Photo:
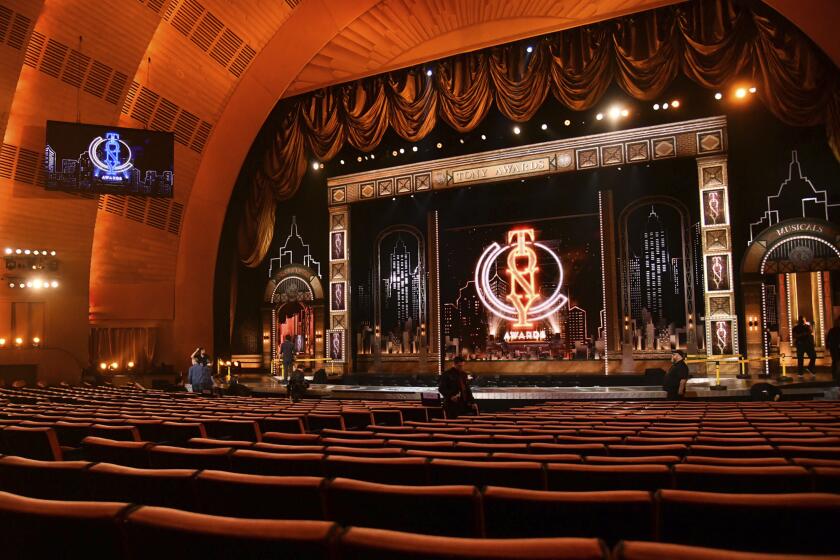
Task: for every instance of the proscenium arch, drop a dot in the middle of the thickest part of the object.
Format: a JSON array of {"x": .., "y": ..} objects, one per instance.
[
  {"x": 304, "y": 273},
  {"x": 266, "y": 80}
]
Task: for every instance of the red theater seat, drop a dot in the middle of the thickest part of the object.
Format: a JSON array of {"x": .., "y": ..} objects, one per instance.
[
  {"x": 71, "y": 434},
  {"x": 364, "y": 451},
  {"x": 291, "y": 439},
  {"x": 438, "y": 510},
  {"x": 241, "y": 430},
  {"x": 827, "y": 479},
  {"x": 204, "y": 443},
  {"x": 317, "y": 422},
  {"x": 49, "y": 480},
  {"x": 813, "y": 452},
  {"x": 737, "y": 461},
  {"x": 153, "y": 487},
  {"x": 181, "y": 432},
  {"x": 34, "y": 443},
  {"x": 258, "y": 496},
  {"x": 641, "y": 450},
  {"x": 152, "y": 532},
  {"x": 32, "y": 528},
  {"x": 733, "y": 450},
  {"x": 612, "y": 516},
  {"x": 284, "y": 424},
  {"x": 570, "y": 478},
  {"x": 128, "y": 453},
  {"x": 630, "y": 550},
  {"x": 781, "y": 523},
  {"x": 574, "y": 448},
  {"x": 743, "y": 480},
  {"x": 276, "y": 464},
  {"x": 632, "y": 460},
  {"x": 378, "y": 544},
  {"x": 401, "y": 470},
  {"x": 514, "y": 474},
  {"x": 168, "y": 457},
  {"x": 118, "y": 433}
]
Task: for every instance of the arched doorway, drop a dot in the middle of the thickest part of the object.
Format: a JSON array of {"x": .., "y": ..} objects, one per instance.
[
  {"x": 789, "y": 271},
  {"x": 293, "y": 306}
]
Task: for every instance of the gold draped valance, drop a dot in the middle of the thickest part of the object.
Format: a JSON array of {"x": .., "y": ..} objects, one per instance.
[{"x": 712, "y": 42}]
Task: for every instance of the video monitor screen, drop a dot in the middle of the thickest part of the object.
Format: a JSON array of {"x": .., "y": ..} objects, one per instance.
[{"x": 109, "y": 159}]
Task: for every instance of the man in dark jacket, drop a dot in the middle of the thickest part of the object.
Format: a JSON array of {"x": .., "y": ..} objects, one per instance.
[
  {"x": 803, "y": 340},
  {"x": 200, "y": 377},
  {"x": 454, "y": 387},
  {"x": 676, "y": 375}
]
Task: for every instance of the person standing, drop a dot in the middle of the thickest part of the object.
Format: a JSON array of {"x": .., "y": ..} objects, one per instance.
[
  {"x": 677, "y": 376},
  {"x": 287, "y": 351},
  {"x": 832, "y": 344},
  {"x": 803, "y": 339},
  {"x": 200, "y": 377},
  {"x": 454, "y": 387}
]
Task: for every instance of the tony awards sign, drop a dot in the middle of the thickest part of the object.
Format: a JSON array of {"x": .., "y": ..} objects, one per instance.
[{"x": 523, "y": 305}]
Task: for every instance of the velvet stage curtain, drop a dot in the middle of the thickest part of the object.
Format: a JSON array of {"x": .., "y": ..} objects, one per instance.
[{"x": 713, "y": 42}]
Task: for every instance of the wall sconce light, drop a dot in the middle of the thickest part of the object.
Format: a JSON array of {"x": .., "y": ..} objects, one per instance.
[
  {"x": 18, "y": 342},
  {"x": 103, "y": 366},
  {"x": 130, "y": 365},
  {"x": 114, "y": 366},
  {"x": 2, "y": 342},
  {"x": 752, "y": 323},
  {"x": 36, "y": 342}
]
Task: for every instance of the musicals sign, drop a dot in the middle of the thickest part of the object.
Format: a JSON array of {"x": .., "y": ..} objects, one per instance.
[{"x": 523, "y": 305}]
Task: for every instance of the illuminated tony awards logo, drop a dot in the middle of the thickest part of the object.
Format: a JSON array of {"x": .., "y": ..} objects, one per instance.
[
  {"x": 111, "y": 157},
  {"x": 523, "y": 305}
]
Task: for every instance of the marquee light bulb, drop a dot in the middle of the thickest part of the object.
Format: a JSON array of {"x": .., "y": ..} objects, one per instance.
[
  {"x": 26, "y": 252},
  {"x": 414, "y": 148},
  {"x": 54, "y": 283},
  {"x": 429, "y": 73},
  {"x": 484, "y": 137},
  {"x": 516, "y": 130},
  {"x": 625, "y": 113},
  {"x": 614, "y": 112},
  {"x": 2, "y": 342},
  {"x": 718, "y": 96},
  {"x": 529, "y": 49},
  {"x": 600, "y": 116},
  {"x": 567, "y": 122},
  {"x": 52, "y": 253},
  {"x": 544, "y": 126},
  {"x": 740, "y": 93},
  {"x": 315, "y": 165},
  {"x": 402, "y": 150},
  {"x": 103, "y": 365},
  {"x": 18, "y": 341},
  {"x": 656, "y": 106},
  {"x": 8, "y": 251},
  {"x": 18, "y": 251},
  {"x": 752, "y": 89}
]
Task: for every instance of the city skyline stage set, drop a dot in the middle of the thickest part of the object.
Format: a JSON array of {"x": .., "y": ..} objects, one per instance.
[{"x": 571, "y": 275}]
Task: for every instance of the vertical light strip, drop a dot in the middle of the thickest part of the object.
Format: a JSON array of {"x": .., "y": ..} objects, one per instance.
[
  {"x": 765, "y": 350},
  {"x": 603, "y": 281},
  {"x": 789, "y": 308},
  {"x": 821, "y": 308},
  {"x": 273, "y": 339},
  {"x": 437, "y": 295}
]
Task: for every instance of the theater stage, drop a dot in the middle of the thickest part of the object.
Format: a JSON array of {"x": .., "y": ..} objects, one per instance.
[{"x": 698, "y": 388}]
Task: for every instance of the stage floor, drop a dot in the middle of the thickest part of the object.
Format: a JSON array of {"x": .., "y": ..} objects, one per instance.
[{"x": 698, "y": 388}]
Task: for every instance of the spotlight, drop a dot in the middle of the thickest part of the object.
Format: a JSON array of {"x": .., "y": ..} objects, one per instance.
[
  {"x": 18, "y": 342},
  {"x": 664, "y": 105},
  {"x": 484, "y": 137},
  {"x": 414, "y": 148},
  {"x": 54, "y": 283},
  {"x": 625, "y": 113},
  {"x": 567, "y": 122},
  {"x": 614, "y": 112},
  {"x": 656, "y": 106},
  {"x": 402, "y": 150},
  {"x": 429, "y": 73},
  {"x": 36, "y": 341},
  {"x": 752, "y": 89},
  {"x": 516, "y": 130},
  {"x": 530, "y": 49},
  {"x": 103, "y": 365},
  {"x": 740, "y": 92},
  {"x": 315, "y": 165},
  {"x": 439, "y": 145},
  {"x": 394, "y": 153},
  {"x": 544, "y": 126},
  {"x": 718, "y": 96},
  {"x": 675, "y": 103},
  {"x": 600, "y": 116},
  {"x": 8, "y": 251},
  {"x": 341, "y": 161}
]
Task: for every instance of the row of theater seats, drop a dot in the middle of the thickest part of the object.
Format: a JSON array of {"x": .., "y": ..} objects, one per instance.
[{"x": 757, "y": 523}]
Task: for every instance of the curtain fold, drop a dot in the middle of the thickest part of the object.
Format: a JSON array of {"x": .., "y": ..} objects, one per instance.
[
  {"x": 712, "y": 42},
  {"x": 123, "y": 345}
]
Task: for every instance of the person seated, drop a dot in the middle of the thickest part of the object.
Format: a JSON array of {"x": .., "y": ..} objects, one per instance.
[
  {"x": 454, "y": 387},
  {"x": 297, "y": 385}
]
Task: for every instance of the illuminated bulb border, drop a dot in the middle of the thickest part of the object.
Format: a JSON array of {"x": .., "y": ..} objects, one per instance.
[
  {"x": 765, "y": 349},
  {"x": 603, "y": 279},
  {"x": 437, "y": 289}
]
